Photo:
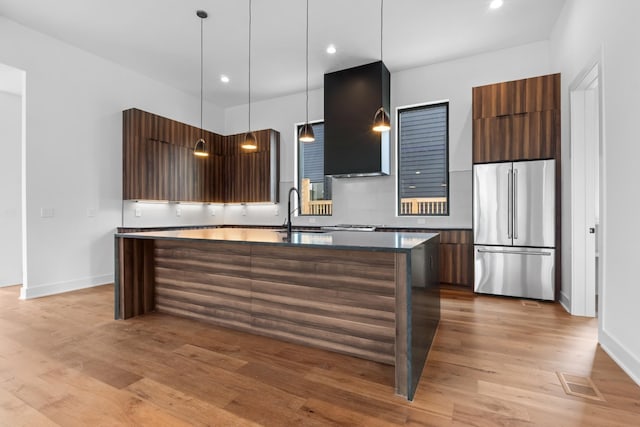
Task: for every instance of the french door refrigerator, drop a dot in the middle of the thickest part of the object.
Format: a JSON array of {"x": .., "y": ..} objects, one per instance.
[{"x": 514, "y": 228}]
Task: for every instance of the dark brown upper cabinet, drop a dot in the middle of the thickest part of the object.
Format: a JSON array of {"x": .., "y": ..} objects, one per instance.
[
  {"x": 158, "y": 163},
  {"x": 517, "y": 120},
  {"x": 254, "y": 172},
  {"x": 516, "y": 97}
]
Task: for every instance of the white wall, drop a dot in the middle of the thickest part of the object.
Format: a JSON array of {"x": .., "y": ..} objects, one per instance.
[
  {"x": 371, "y": 200},
  {"x": 589, "y": 29},
  {"x": 148, "y": 214},
  {"x": 74, "y": 103},
  {"x": 10, "y": 190}
]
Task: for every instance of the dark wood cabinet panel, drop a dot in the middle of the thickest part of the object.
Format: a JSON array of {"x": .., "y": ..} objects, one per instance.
[
  {"x": 515, "y": 97},
  {"x": 256, "y": 173},
  {"x": 158, "y": 163},
  {"x": 526, "y": 136},
  {"x": 540, "y": 94},
  {"x": 493, "y": 100},
  {"x": 156, "y": 182}
]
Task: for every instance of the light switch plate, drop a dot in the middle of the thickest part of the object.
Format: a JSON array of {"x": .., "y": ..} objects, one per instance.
[
  {"x": 178, "y": 211},
  {"x": 243, "y": 210},
  {"x": 212, "y": 210},
  {"x": 47, "y": 213},
  {"x": 138, "y": 212},
  {"x": 276, "y": 210}
]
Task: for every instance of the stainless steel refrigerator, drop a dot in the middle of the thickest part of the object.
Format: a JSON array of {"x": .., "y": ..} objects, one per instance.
[{"x": 514, "y": 228}]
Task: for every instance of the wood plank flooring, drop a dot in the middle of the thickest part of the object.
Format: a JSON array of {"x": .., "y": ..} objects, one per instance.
[{"x": 495, "y": 362}]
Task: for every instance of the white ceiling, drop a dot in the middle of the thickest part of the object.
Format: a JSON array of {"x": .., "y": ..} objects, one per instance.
[{"x": 161, "y": 38}]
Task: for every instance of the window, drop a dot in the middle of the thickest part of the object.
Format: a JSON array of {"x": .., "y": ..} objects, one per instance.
[
  {"x": 314, "y": 186},
  {"x": 423, "y": 160}
]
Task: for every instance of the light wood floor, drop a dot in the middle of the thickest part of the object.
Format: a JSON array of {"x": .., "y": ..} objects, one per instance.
[{"x": 64, "y": 361}]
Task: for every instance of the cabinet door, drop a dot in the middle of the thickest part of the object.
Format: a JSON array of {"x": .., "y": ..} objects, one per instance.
[
  {"x": 516, "y": 97},
  {"x": 539, "y": 94},
  {"x": 189, "y": 175},
  {"x": 493, "y": 100},
  {"x": 532, "y": 135},
  {"x": 156, "y": 174},
  {"x": 524, "y": 136},
  {"x": 491, "y": 139},
  {"x": 215, "y": 177}
]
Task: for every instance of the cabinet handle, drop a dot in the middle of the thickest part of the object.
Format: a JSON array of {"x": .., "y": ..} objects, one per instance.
[{"x": 487, "y": 251}]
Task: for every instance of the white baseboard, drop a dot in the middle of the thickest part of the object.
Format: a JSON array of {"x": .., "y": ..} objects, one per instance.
[
  {"x": 60, "y": 287},
  {"x": 621, "y": 355},
  {"x": 6, "y": 285},
  {"x": 565, "y": 302}
]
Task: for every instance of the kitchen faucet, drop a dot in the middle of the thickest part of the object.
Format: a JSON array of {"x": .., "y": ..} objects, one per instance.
[{"x": 289, "y": 211}]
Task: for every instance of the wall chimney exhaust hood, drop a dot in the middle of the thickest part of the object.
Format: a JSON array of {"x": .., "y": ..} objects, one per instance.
[{"x": 351, "y": 98}]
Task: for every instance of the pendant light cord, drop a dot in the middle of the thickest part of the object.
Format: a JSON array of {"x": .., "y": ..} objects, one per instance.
[
  {"x": 381, "y": 26},
  {"x": 249, "y": 95},
  {"x": 201, "y": 72},
  {"x": 307, "y": 65}
]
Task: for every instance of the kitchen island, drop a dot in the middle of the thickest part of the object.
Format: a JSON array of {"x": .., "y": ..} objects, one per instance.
[{"x": 373, "y": 295}]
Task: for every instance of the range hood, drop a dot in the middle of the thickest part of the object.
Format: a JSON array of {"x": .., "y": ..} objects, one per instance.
[{"x": 351, "y": 98}]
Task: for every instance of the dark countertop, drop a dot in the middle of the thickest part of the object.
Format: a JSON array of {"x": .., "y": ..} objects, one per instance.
[{"x": 363, "y": 240}]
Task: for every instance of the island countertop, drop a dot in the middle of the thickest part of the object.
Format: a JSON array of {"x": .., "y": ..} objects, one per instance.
[{"x": 363, "y": 240}]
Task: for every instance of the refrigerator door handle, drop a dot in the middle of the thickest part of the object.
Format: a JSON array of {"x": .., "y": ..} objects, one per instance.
[
  {"x": 497, "y": 251},
  {"x": 514, "y": 203},
  {"x": 509, "y": 204}
]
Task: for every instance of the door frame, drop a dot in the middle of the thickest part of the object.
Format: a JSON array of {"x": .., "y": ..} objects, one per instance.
[{"x": 585, "y": 105}]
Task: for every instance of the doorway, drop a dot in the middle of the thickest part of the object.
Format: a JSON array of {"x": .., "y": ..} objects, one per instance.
[
  {"x": 12, "y": 244},
  {"x": 586, "y": 191}
]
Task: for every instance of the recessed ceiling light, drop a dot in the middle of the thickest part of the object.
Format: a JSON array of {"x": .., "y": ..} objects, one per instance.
[
  {"x": 495, "y": 4},
  {"x": 331, "y": 49},
  {"x": 224, "y": 79}
]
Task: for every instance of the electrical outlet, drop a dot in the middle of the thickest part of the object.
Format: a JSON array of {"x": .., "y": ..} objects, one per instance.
[
  {"x": 212, "y": 210},
  {"x": 312, "y": 220},
  {"x": 178, "y": 211},
  {"x": 421, "y": 221},
  {"x": 243, "y": 210},
  {"x": 47, "y": 213},
  {"x": 276, "y": 210},
  {"x": 138, "y": 212}
]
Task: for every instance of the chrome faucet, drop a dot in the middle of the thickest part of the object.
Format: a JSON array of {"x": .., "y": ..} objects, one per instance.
[{"x": 289, "y": 211}]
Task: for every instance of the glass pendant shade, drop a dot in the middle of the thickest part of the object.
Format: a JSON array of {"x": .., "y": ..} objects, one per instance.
[
  {"x": 250, "y": 142},
  {"x": 306, "y": 133},
  {"x": 381, "y": 122},
  {"x": 200, "y": 148}
]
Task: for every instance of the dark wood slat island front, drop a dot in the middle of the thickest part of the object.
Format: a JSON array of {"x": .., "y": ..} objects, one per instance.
[{"x": 367, "y": 294}]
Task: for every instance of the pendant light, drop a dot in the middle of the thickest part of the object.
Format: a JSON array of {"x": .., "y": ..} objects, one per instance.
[
  {"x": 250, "y": 142},
  {"x": 381, "y": 122},
  {"x": 306, "y": 131},
  {"x": 200, "y": 148}
]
